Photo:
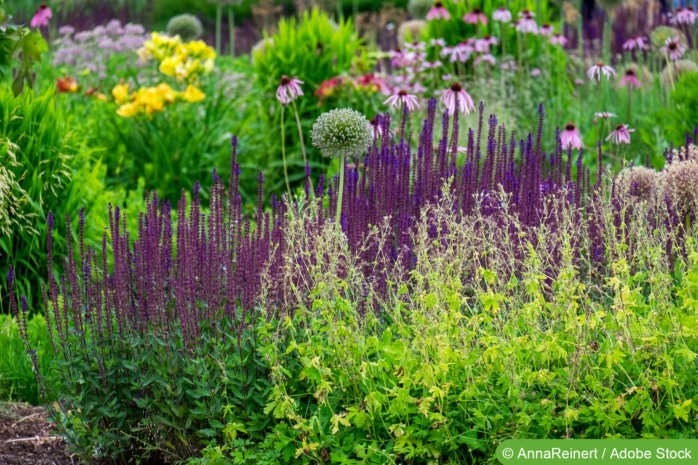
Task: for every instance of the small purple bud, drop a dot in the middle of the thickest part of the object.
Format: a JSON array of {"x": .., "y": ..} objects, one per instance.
[
  {"x": 10, "y": 276},
  {"x": 234, "y": 141},
  {"x": 197, "y": 188},
  {"x": 23, "y": 304},
  {"x": 215, "y": 176},
  {"x": 49, "y": 220}
]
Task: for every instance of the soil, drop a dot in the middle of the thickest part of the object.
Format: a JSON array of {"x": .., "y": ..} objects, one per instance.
[{"x": 26, "y": 437}]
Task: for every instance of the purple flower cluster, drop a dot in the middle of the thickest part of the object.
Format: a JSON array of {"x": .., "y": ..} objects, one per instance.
[
  {"x": 90, "y": 50},
  {"x": 211, "y": 265}
]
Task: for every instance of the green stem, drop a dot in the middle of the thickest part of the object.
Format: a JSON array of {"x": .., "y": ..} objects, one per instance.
[
  {"x": 231, "y": 30},
  {"x": 670, "y": 65},
  {"x": 300, "y": 134},
  {"x": 219, "y": 20},
  {"x": 630, "y": 102},
  {"x": 338, "y": 216},
  {"x": 283, "y": 152}
]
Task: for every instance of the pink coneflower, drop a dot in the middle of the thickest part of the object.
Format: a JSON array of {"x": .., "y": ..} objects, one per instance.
[
  {"x": 570, "y": 137},
  {"x": 447, "y": 77},
  {"x": 431, "y": 65},
  {"x": 546, "y": 30},
  {"x": 508, "y": 66},
  {"x": 635, "y": 42},
  {"x": 620, "y": 135},
  {"x": 41, "y": 17},
  {"x": 684, "y": 16},
  {"x": 488, "y": 58},
  {"x": 579, "y": 82},
  {"x": 595, "y": 72},
  {"x": 402, "y": 98},
  {"x": 416, "y": 47},
  {"x": 475, "y": 16},
  {"x": 398, "y": 58},
  {"x": 673, "y": 48},
  {"x": 483, "y": 45},
  {"x": 456, "y": 94},
  {"x": 558, "y": 39},
  {"x": 630, "y": 79},
  {"x": 439, "y": 42},
  {"x": 438, "y": 12},
  {"x": 605, "y": 115},
  {"x": 535, "y": 72},
  {"x": 502, "y": 15},
  {"x": 288, "y": 90},
  {"x": 527, "y": 24}
]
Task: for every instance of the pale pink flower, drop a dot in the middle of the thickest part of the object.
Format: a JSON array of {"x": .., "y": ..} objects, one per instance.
[
  {"x": 506, "y": 66},
  {"x": 502, "y": 15},
  {"x": 41, "y": 17},
  {"x": 635, "y": 42},
  {"x": 399, "y": 58},
  {"x": 487, "y": 58},
  {"x": 402, "y": 98},
  {"x": 483, "y": 45},
  {"x": 673, "y": 48},
  {"x": 289, "y": 90},
  {"x": 535, "y": 72},
  {"x": 620, "y": 135},
  {"x": 558, "y": 39},
  {"x": 630, "y": 79},
  {"x": 684, "y": 16},
  {"x": 605, "y": 115},
  {"x": 438, "y": 12},
  {"x": 439, "y": 42},
  {"x": 595, "y": 72},
  {"x": 546, "y": 30},
  {"x": 431, "y": 65},
  {"x": 447, "y": 77},
  {"x": 579, "y": 82},
  {"x": 475, "y": 16},
  {"x": 416, "y": 47},
  {"x": 457, "y": 95},
  {"x": 527, "y": 24},
  {"x": 570, "y": 137}
]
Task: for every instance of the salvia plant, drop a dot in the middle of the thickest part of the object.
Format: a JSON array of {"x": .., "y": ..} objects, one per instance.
[{"x": 173, "y": 338}]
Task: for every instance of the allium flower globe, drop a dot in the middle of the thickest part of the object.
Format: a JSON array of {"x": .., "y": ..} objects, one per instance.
[{"x": 342, "y": 132}]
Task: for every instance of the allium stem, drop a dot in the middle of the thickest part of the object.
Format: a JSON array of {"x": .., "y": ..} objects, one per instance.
[
  {"x": 231, "y": 30},
  {"x": 630, "y": 102},
  {"x": 283, "y": 152},
  {"x": 340, "y": 192},
  {"x": 300, "y": 134},
  {"x": 670, "y": 69},
  {"x": 219, "y": 21}
]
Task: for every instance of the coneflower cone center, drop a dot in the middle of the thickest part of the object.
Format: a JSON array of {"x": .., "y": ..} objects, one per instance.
[
  {"x": 569, "y": 127},
  {"x": 285, "y": 80},
  {"x": 456, "y": 87}
]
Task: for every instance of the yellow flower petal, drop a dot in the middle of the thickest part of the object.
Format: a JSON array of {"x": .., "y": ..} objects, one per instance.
[{"x": 192, "y": 94}]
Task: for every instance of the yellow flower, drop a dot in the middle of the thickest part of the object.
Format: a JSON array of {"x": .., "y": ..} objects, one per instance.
[
  {"x": 208, "y": 66},
  {"x": 166, "y": 92},
  {"x": 192, "y": 94},
  {"x": 102, "y": 97},
  {"x": 150, "y": 98},
  {"x": 169, "y": 65},
  {"x": 120, "y": 93},
  {"x": 199, "y": 49},
  {"x": 128, "y": 110}
]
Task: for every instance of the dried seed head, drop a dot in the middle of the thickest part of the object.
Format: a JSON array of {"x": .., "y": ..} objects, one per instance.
[
  {"x": 638, "y": 181},
  {"x": 679, "y": 184}
]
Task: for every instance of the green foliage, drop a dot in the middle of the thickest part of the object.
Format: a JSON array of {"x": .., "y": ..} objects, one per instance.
[
  {"x": 50, "y": 168},
  {"x": 17, "y": 380},
  {"x": 313, "y": 49},
  {"x": 682, "y": 116},
  {"x": 153, "y": 397},
  {"x": 21, "y": 44}
]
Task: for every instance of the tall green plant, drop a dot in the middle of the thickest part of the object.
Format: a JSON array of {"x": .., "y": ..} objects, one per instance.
[
  {"x": 48, "y": 168},
  {"x": 314, "y": 48}
]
